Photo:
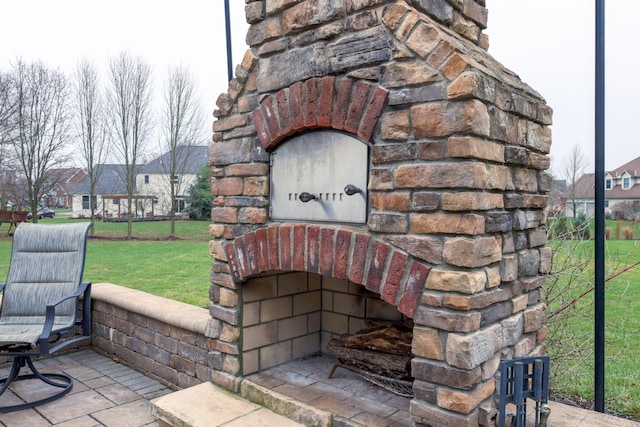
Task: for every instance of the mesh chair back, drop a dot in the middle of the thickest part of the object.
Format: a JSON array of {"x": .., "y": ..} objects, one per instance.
[{"x": 47, "y": 262}]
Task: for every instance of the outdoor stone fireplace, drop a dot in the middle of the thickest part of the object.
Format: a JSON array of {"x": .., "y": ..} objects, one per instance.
[{"x": 445, "y": 228}]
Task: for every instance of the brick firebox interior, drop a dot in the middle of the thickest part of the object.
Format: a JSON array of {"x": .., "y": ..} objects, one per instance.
[{"x": 457, "y": 159}]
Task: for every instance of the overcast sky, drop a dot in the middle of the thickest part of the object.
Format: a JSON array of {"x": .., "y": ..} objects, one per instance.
[{"x": 549, "y": 43}]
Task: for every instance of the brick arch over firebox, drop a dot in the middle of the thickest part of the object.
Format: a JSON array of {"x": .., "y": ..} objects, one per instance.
[
  {"x": 329, "y": 102},
  {"x": 334, "y": 252}
]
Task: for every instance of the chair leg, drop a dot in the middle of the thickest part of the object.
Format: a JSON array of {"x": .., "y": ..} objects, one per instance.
[
  {"x": 18, "y": 363},
  {"x": 65, "y": 382}
]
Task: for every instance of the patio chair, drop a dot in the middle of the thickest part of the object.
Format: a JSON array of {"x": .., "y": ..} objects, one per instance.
[{"x": 40, "y": 312}]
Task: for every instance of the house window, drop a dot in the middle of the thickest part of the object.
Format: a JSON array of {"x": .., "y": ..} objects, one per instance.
[
  {"x": 85, "y": 202},
  {"x": 606, "y": 203},
  {"x": 180, "y": 205},
  {"x": 625, "y": 183},
  {"x": 146, "y": 179},
  {"x": 176, "y": 178},
  {"x": 116, "y": 201},
  {"x": 607, "y": 184}
]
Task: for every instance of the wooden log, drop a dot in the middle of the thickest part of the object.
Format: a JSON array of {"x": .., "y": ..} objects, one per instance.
[
  {"x": 387, "y": 338},
  {"x": 381, "y": 361}
]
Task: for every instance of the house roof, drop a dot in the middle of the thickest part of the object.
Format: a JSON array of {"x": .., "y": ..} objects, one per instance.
[
  {"x": 559, "y": 185},
  {"x": 65, "y": 175},
  {"x": 111, "y": 177},
  {"x": 585, "y": 187},
  {"x": 189, "y": 160},
  {"x": 66, "y": 179},
  {"x": 632, "y": 167},
  {"x": 111, "y": 180}
]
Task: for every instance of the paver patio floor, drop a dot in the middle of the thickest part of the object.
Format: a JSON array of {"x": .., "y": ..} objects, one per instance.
[{"x": 105, "y": 393}]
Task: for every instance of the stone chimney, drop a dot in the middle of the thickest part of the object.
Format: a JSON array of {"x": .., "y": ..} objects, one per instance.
[{"x": 456, "y": 159}]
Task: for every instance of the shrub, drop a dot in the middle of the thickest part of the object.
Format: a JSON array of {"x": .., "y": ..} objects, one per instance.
[
  {"x": 607, "y": 232},
  {"x": 581, "y": 228},
  {"x": 199, "y": 196},
  {"x": 559, "y": 229},
  {"x": 628, "y": 233}
]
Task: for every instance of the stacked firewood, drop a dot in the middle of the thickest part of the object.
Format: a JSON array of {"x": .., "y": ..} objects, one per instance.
[{"x": 382, "y": 346}]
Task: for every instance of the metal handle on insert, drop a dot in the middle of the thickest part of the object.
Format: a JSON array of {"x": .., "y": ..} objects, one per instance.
[
  {"x": 351, "y": 190},
  {"x": 305, "y": 197}
]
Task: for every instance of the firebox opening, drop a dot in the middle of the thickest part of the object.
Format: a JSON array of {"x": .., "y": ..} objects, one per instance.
[
  {"x": 290, "y": 321},
  {"x": 293, "y": 315}
]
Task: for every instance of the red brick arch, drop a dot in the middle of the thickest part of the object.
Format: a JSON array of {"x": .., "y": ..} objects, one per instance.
[
  {"x": 336, "y": 252},
  {"x": 328, "y": 102}
]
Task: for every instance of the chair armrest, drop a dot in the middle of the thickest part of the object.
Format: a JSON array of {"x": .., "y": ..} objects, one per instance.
[{"x": 51, "y": 310}]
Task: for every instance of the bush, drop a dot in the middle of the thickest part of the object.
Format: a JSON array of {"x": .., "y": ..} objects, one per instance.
[
  {"x": 559, "y": 229},
  {"x": 607, "y": 232},
  {"x": 581, "y": 228},
  {"x": 564, "y": 228},
  {"x": 628, "y": 233},
  {"x": 199, "y": 196}
]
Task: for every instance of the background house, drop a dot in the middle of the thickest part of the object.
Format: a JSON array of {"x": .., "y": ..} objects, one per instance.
[
  {"x": 152, "y": 194},
  {"x": 622, "y": 192},
  {"x": 109, "y": 188},
  {"x": 59, "y": 186},
  {"x": 154, "y": 178}
]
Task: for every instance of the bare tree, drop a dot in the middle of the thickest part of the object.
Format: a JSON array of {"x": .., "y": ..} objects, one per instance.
[
  {"x": 182, "y": 128},
  {"x": 129, "y": 105},
  {"x": 39, "y": 130},
  {"x": 90, "y": 125},
  {"x": 573, "y": 168},
  {"x": 7, "y": 104}
]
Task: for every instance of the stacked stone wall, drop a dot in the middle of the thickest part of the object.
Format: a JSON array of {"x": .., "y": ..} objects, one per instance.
[
  {"x": 162, "y": 338},
  {"x": 458, "y": 181}
]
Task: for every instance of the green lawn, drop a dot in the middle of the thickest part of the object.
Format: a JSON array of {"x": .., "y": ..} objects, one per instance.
[
  {"x": 572, "y": 350},
  {"x": 178, "y": 268}
]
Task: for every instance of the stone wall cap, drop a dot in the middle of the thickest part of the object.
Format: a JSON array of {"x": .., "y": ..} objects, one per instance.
[{"x": 173, "y": 313}]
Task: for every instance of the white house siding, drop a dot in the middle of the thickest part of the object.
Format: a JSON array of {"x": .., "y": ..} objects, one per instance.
[{"x": 159, "y": 187}]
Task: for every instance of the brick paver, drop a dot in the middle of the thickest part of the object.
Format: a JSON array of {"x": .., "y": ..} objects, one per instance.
[{"x": 105, "y": 393}]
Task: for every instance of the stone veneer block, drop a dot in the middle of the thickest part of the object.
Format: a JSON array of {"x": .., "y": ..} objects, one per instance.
[{"x": 426, "y": 343}]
